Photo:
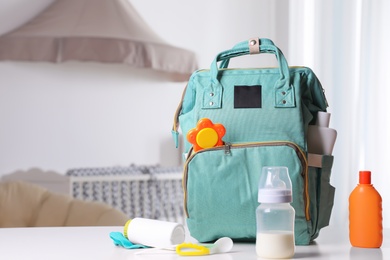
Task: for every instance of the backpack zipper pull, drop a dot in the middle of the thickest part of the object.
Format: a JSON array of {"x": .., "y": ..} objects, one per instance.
[{"x": 227, "y": 148}]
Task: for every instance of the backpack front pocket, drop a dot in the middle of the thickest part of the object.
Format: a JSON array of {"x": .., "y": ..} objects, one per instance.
[{"x": 222, "y": 200}]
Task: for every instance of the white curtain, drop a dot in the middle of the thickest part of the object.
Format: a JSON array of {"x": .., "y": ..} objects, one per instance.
[{"x": 346, "y": 45}]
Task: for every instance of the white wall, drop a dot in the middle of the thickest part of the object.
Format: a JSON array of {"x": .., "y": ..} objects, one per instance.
[{"x": 61, "y": 116}]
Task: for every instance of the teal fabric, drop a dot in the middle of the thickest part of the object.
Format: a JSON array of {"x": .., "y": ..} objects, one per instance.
[
  {"x": 120, "y": 240},
  {"x": 210, "y": 94},
  {"x": 321, "y": 195},
  {"x": 221, "y": 188}
]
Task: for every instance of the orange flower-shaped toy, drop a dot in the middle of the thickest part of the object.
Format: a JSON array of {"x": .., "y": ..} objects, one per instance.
[{"x": 206, "y": 134}]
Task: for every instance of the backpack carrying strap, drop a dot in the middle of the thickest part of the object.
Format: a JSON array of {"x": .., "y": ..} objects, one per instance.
[
  {"x": 249, "y": 43},
  {"x": 284, "y": 91}
]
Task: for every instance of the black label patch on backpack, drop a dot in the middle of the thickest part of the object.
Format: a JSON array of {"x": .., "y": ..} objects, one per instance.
[{"x": 247, "y": 96}]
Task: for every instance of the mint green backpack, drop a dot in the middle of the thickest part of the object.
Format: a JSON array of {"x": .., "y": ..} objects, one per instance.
[{"x": 265, "y": 113}]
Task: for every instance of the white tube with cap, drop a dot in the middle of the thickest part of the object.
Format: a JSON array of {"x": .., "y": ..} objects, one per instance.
[{"x": 154, "y": 233}]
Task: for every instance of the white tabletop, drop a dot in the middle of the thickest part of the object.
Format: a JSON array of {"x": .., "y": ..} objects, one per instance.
[{"x": 94, "y": 243}]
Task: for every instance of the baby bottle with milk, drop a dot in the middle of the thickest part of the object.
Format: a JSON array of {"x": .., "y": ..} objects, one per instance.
[{"x": 275, "y": 216}]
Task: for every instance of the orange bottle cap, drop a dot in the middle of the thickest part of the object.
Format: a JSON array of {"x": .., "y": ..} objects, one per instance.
[{"x": 365, "y": 177}]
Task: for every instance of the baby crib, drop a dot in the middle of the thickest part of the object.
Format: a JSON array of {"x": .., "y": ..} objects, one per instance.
[{"x": 153, "y": 192}]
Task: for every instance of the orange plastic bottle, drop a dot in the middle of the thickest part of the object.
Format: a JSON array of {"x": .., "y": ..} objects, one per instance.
[{"x": 365, "y": 214}]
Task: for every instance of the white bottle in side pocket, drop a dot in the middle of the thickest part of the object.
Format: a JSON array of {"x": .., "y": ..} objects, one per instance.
[{"x": 321, "y": 138}]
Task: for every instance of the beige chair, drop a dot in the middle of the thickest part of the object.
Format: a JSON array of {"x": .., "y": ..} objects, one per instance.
[
  {"x": 24, "y": 204},
  {"x": 51, "y": 180}
]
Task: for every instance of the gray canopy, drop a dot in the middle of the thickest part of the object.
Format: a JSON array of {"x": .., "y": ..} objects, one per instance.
[{"x": 95, "y": 30}]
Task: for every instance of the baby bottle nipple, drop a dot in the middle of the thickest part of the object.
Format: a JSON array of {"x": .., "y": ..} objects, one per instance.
[
  {"x": 275, "y": 185},
  {"x": 274, "y": 181}
]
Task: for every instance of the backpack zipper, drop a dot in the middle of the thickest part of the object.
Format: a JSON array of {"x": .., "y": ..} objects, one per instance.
[{"x": 227, "y": 147}]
